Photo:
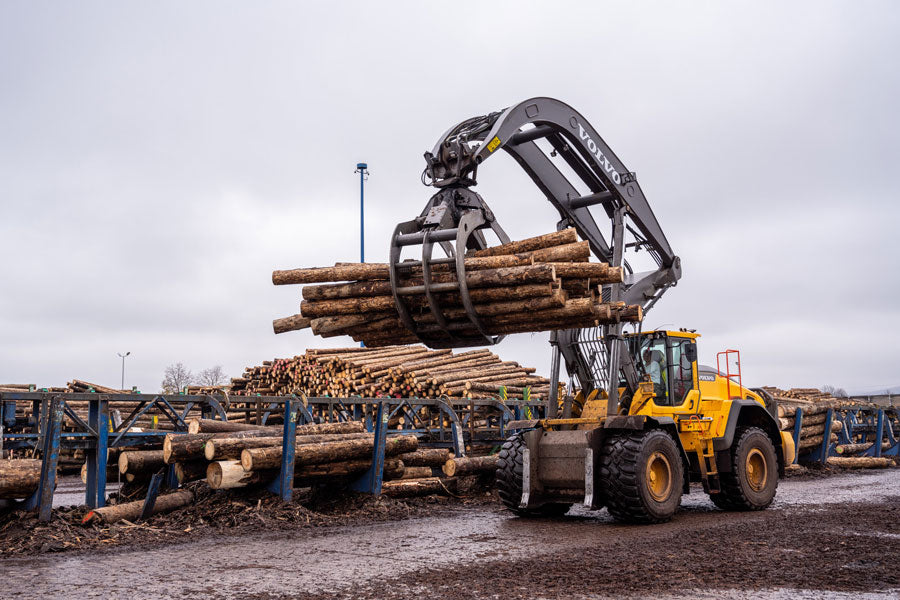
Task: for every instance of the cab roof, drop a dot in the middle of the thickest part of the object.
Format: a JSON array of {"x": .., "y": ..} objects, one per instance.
[{"x": 681, "y": 334}]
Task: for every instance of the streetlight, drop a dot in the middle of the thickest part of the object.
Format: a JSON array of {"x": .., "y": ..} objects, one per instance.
[
  {"x": 362, "y": 169},
  {"x": 122, "y": 356}
]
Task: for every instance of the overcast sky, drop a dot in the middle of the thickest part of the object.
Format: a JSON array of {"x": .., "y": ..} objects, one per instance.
[{"x": 159, "y": 160}]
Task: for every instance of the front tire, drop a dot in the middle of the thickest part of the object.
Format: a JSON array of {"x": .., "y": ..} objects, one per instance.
[
  {"x": 753, "y": 480},
  {"x": 641, "y": 475},
  {"x": 509, "y": 481}
]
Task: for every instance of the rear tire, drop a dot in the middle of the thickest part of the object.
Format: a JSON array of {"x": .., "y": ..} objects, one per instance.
[
  {"x": 641, "y": 475},
  {"x": 509, "y": 482},
  {"x": 753, "y": 480}
]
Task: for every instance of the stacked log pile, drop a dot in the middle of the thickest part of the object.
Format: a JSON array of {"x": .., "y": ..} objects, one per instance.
[
  {"x": 394, "y": 371},
  {"x": 234, "y": 455},
  {"x": 537, "y": 284},
  {"x": 815, "y": 404},
  {"x": 19, "y": 478}
]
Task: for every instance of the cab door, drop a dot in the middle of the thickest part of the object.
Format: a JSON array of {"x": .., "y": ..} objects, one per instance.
[{"x": 681, "y": 393}]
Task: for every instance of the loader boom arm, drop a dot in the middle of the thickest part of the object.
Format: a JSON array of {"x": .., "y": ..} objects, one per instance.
[{"x": 452, "y": 167}]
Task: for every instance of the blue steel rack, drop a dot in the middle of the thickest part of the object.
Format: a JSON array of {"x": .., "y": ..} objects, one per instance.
[
  {"x": 44, "y": 430},
  {"x": 869, "y": 424}
]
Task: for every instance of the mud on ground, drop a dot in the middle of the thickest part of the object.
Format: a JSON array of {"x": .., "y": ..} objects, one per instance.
[
  {"x": 822, "y": 548},
  {"x": 232, "y": 512}
]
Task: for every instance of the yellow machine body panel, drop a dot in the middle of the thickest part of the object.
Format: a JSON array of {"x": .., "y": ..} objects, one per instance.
[{"x": 699, "y": 403}]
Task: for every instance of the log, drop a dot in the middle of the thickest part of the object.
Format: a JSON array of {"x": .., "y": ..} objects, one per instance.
[
  {"x": 194, "y": 470},
  {"x": 228, "y": 474},
  {"x": 393, "y": 469},
  {"x": 596, "y": 272},
  {"x": 416, "y": 473},
  {"x": 557, "y": 238},
  {"x": 426, "y": 457},
  {"x": 488, "y": 278},
  {"x": 808, "y": 420},
  {"x": 575, "y": 252},
  {"x": 179, "y": 447},
  {"x": 141, "y": 461},
  {"x": 858, "y": 448},
  {"x": 197, "y": 425},
  {"x": 344, "y": 272},
  {"x": 256, "y": 459},
  {"x": 292, "y": 323},
  {"x": 816, "y": 440},
  {"x": 213, "y": 426},
  {"x": 406, "y": 488},
  {"x": 470, "y": 464},
  {"x": 809, "y": 408},
  {"x": 231, "y": 448},
  {"x": 836, "y": 427},
  {"x": 112, "y": 472},
  {"x": 860, "y": 462},
  {"x": 19, "y": 478},
  {"x": 131, "y": 511},
  {"x": 338, "y": 324}
]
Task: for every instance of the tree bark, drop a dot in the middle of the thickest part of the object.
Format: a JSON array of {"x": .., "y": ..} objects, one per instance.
[
  {"x": 557, "y": 238},
  {"x": 214, "y": 426},
  {"x": 858, "y": 448},
  {"x": 596, "y": 272},
  {"x": 197, "y": 425},
  {"x": 393, "y": 468},
  {"x": 228, "y": 474},
  {"x": 292, "y": 323},
  {"x": 141, "y": 461},
  {"x": 344, "y": 272},
  {"x": 416, "y": 473},
  {"x": 131, "y": 511},
  {"x": 426, "y": 457},
  {"x": 406, "y": 488},
  {"x": 470, "y": 464},
  {"x": 255, "y": 459},
  {"x": 231, "y": 448},
  {"x": 816, "y": 440},
  {"x": 194, "y": 470},
  {"x": 836, "y": 427},
  {"x": 179, "y": 447},
  {"x": 860, "y": 462}
]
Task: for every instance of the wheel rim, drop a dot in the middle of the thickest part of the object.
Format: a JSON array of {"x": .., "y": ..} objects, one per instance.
[
  {"x": 757, "y": 470},
  {"x": 659, "y": 476}
]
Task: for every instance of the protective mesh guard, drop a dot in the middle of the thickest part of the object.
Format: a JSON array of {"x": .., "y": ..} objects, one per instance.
[{"x": 593, "y": 349}]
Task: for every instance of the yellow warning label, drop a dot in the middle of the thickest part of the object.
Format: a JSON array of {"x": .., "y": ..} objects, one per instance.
[{"x": 493, "y": 144}]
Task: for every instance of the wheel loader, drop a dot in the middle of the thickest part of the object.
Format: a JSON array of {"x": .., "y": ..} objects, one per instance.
[{"x": 647, "y": 419}]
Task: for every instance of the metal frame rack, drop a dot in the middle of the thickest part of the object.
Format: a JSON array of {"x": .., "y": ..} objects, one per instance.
[
  {"x": 95, "y": 436},
  {"x": 874, "y": 425}
]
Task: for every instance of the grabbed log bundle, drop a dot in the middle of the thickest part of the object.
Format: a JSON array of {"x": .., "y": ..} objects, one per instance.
[{"x": 537, "y": 284}]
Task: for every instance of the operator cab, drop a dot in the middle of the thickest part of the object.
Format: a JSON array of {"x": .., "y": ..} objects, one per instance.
[{"x": 669, "y": 360}]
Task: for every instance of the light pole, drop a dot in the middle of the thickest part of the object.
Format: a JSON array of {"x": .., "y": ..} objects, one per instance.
[
  {"x": 122, "y": 356},
  {"x": 362, "y": 169}
]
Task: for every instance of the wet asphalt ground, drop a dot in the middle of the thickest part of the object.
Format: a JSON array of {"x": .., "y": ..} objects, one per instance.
[{"x": 413, "y": 558}]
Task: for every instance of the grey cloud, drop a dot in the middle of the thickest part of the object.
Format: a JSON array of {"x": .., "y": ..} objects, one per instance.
[{"x": 156, "y": 163}]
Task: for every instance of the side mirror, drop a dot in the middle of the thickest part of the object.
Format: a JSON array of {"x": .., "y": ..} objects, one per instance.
[{"x": 691, "y": 352}]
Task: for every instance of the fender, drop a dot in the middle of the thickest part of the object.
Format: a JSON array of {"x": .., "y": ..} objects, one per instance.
[{"x": 747, "y": 413}]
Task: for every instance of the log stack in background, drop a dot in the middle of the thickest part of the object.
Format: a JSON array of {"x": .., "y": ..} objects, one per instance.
[
  {"x": 538, "y": 284},
  {"x": 815, "y": 404},
  {"x": 394, "y": 371}
]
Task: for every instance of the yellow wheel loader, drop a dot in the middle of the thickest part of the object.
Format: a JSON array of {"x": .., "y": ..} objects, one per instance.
[{"x": 648, "y": 420}]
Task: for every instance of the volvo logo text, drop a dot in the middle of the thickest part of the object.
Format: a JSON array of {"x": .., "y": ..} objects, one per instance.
[{"x": 598, "y": 154}]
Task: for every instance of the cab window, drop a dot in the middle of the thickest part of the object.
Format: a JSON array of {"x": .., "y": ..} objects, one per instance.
[
  {"x": 653, "y": 359},
  {"x": 681, "y": 370}
]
